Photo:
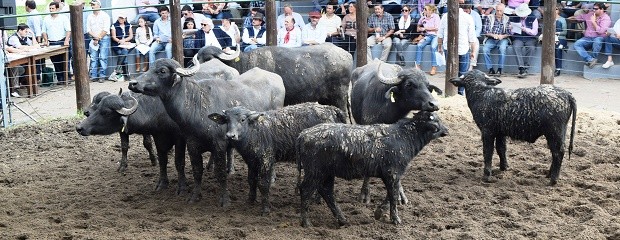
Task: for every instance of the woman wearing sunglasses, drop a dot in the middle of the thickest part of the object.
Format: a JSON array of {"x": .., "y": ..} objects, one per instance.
[{"x": 405, "y": 30}]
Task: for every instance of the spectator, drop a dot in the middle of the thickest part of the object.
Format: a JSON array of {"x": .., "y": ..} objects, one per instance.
[
  {"x": 212, "y": 36},
  {"x": 535, "y": 7},
  {"x": 288, "y": 12},
  {"x": 524, "y": 38},
  {"x": 428, "y": 25},
  {"x": 254, "y": 36},
  {"x": 478, "y": 29},
  {"x": 162, "y": 33},
  {"x": 496, "y": 36},
  {"x": 612, "y": 40},
  {"x": 98, "y": 27},
  {"x": 122, "y": 34},
  {"x": 212, "y": 9},
  {"x": 188, "y": 13},
  {"x": 349, "y": 28},
  {"x": 22, "y": 40},
  {"x": 247, "y": 21},
  {"x": 597, "y": 22},
  {"x": 442, "y": 7},
  {"x": 485, "y": 7},
  {"x": 231, "y": 29},
  {"x": 144, "y": 38},
  {"x": 381, "y": 27},
  {"x": 560, "y": 43},
  {"x": 289, "y": 35},
  {"x": 56, "y": 30},
  {"x": 189, "y": 40},
  {"x": 392, "y": 6},
  {"x": 465, "y": 39},
  {"x": 34, "y": 22},
  {"x": 14, "y": 73},
  {"x": 420, "y": 8},
  {"x": 405, "y": 29},
  {"x": 146, "y": 10},
  {"x": 330, "y": 23},
  {"x": 312, "y": 34}
]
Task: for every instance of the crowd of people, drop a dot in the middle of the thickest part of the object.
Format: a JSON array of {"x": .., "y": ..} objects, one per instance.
[{"x": 393, "y": 24}]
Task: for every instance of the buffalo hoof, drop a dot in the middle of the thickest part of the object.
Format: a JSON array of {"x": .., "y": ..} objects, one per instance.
[
  {"x": 122, "y": 167},
  {"x": 161, "y": 185},
  {"x": 224, "y": 200},
  {"x": 489, "y": 179},
  {"x": 305, "y": 223},
  {"x": 231, "y": 170},
  {"x": 343, "y": 222},
  {"x": 196, "y": 197},
  {"x": 265, "y": 211},
  {"x": 503, "y": 167},
  {"x": 396, "y": 220},
  {"x": 403, "y": 199},
  {"x": 153, "y": 160},
  {"x": 364, "y": 198},
  {"x": 553, "y": 182},
  {"x": 182, "y": 188},
  {"x": 381, "y": 212}
]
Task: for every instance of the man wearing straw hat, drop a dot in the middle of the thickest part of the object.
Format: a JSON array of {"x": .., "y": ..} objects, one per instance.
[{"x": 524, "y": 33}]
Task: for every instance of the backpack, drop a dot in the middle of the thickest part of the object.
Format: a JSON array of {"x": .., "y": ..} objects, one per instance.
[{"x": 47, "y": 77}]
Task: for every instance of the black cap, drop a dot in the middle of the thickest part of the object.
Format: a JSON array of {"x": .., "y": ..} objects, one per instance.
[
  {"x": 226, "y": 15},
  {"x": 186, "y": 8}
]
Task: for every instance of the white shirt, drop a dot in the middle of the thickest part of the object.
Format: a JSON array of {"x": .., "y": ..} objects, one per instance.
[
  {"x": 233, "y": 32},
  {"x": 98, "y": 22},
  {"x": 56, "y": 28},
  {"x": 211, "y": 40},
  {"x": 466, "y": 31},
  {"x": 34, "y": 22},
  {"x": 294, "y": 38},
  {"x": 316, "y": 34},
  {"x": 330, "y": 24},
  {"x": 246, "y": 36},
  {"x": 141, "y": 35},
  {"x": 197, "y": 19}
]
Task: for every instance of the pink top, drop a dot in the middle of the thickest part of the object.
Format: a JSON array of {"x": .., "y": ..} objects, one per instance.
[
  {"x": 603, "y": 22},
  {"x": 430, "y": 22}
]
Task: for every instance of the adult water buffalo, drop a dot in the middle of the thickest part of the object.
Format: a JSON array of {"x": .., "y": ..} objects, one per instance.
[
  {"x": 319, "y": 73},
  {"x": 189, "y": 105}
]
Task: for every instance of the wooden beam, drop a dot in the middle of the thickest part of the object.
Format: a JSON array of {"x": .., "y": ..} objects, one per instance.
[
  {"x": 361, "y": 19},
  {"x": 80, "y": 69},
  {"x": 177, "y": 32},
  {"x": 452, "y": 57},
  {"x": 548, "y": 44},
  {"x": 272, "y": 26}
]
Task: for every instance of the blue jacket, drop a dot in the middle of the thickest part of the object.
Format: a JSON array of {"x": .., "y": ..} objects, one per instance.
[{"x": 222, "y": 38}]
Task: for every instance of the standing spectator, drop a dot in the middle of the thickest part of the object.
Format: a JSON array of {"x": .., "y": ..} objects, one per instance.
[
  {"x": 612, "y": 40},
  {"x": 524, "y": 38},
  {"x": 289, "y": 35},
  {"x": 212, "y": 36},
  {"x": 330, "y": 23},
  {"x": 312, "y": 34},
  {"x": 146, "y": 10},
  {"x": 485, "y": 7},
  {"x": 122, "y": 34},
  {"x": 144, "y": 38},
  {"x": 478, "y": 29},
  {"x": 381, "y": 26},
  {"x": 162, "y": 33},
  {"x": 496, "y": 36},
  {"x": 212, "y": 9},
  {"x": 188, "y": 13},
  {"x": 349, "y": 27},
  {"x": 254, "y": 36},
  {"x": 535, "y": 7},
  {"x": 402, "y": 36},
  {"x": 465, "y": 39},
  {"x": 561, "y": 44},
  {"x": 231, "y": 29},
  {"x": 288, "y": 12},
  {"x": 189, "y": 40},
  {"x": 429, "y": 25},
  {"x": 597, "y": 22},
  {"x": 56, "y": 30},
  {"x": 98, "y": 27},
  {"x": 442, "y": 7},
  {"x": 34, "y": 22}
]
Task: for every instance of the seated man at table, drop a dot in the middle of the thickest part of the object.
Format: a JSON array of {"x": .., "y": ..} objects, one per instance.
[{"x": 21, "y": 41}]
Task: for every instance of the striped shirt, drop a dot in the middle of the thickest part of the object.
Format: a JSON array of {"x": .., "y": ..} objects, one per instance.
[{"x": 386, "y": 22}]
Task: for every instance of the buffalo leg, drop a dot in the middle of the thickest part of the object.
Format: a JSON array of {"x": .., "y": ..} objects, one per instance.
[
  {"x": 221, "y": 174},
  {"x": 124, "y": 148},
  {"x": 402, "y": 198},
  {"x": 179, "y": 164},
  {"x": 195, "y": 157},
  {"x": 163, "y": 145},
  {"x": 147, "y": 142},
  {"x": 556, "y": 145},
  {"x": 307, "y": 188},
  {"x": 487, "y": 152},
  {"x": 364, "y": 196},
  {"x": 327, "y": 192},
  {"x": 266, "y": 174},
  {"x": 500, "y": 147},
  {"x": 230, "y": 163},
  {"x": 252, "y": 179},
  {"x": 391, "y": 185}
]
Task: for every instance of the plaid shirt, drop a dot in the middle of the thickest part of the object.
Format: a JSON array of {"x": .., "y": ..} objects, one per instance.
[
  {"x": 497, "y": 28},
  {"x": 386, "y": 23}
]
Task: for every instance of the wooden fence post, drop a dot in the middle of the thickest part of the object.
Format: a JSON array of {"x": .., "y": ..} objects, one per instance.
[{"x": 80, "y": 69}]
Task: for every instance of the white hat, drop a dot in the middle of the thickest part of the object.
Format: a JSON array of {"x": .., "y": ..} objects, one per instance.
[
  {"x": 121, "y": 15},
  {"x": 523, "y": 10},
  {"x": 208, "y": 21}
]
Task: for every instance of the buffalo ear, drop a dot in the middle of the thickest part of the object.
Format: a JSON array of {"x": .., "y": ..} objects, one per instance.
[
  {"x": 256, "y": 117},
  {"x": 391, "y": 94},
  {"x": 218, "y": 118}
]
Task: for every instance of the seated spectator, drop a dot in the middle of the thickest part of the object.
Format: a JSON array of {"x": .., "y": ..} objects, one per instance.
[
  {"x": 210, "y": 35},
  {"x": 144, "y": 38},
  {"x": 525, "y": 38},
  {"x": 213, "y": 10},
  {"x": 290, "y": 34},
  {"x": 254, "y": 36},
  {"x": 288, "y": 12},
  {"x": 330, "y": 23},
  {"x": 496, "y": 35},
  {"x": 162, "y": 34},
  {"x": 612, "y": 40},
  {"x": 247, "y": 21},
  {"x": 405, "y": 30},
  {"x": 485, "y": 7},
  {"x": 146, "y": 10},
  {"x": 428, "y": 25},
  {"x": 188, "y": 13},
  {"x": 381, "y": 27},
  {"x": 22, "y": 40},
  {"x": 561, "y": 44},
  {"x": 535, "y": 6},
  {"x": 312, "y": 34},
  {"x": 597, "y": 22},
  {"x": 231, "y": 29},
  {"x": 122, "y": 34},
  {"x": 189, "y": 40},
  {"x": 349, "y": 27},
  {"x": 419, "y": 10}
]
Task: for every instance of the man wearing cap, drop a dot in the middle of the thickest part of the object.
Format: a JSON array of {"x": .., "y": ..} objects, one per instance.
[
  {"x": 212, "y": 36},
  {"x": 162, "y": 35},
  {"x": 312, "y": 34},
  {"x": 146, "y": 10},
  {"x": 98, "y": 27},
  {"x": 188, "y": 13},
  {"x": 290, "y": 35},
  {"x": 288, "y": 12},
  {"x": 524, "y": 38},
  {"x": 254, "y": 37},
  {"x": 381, "y": 27},
  {"x": 56, "y": 30},
  {"x": 597, "y": 23},
  {"x": 330, "y": 23}
]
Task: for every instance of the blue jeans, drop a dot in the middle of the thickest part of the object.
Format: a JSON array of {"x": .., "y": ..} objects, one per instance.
[
  {"x": 463, "y": 67},
  {"x": 596, "y": 43},
  {"x": 428, "y": 39},
  {"x": 560, "y": 52},
  {"x": 217, "y": 16},
  {"x": 610, "y": 43},
  {"x": 156, "y": 47},
  {"x": 489, "y": 45},
  {"x": 148, "y": 16},
  {"x": 100, "y": 58}
]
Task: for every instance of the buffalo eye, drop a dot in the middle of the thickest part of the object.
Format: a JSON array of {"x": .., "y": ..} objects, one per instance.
[{"x": 163, "y": 70}]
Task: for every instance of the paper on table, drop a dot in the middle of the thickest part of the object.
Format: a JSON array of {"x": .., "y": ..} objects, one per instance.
[
  {"x": 143, "y": 48},
  {"x": 516, "y": 27}
]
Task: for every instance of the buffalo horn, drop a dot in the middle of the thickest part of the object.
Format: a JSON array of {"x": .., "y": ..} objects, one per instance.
[
  {"x": 385, "y": 80},
  {"x": 186, "y": 72},
  {"x": 229, "y": 57},
  {"x": 128, "y": 111}
]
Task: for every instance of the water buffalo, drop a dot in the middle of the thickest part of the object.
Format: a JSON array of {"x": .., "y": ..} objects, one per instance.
[
  {"x": 522, "y": 114},
  {"x": 189, "y": 105}
]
